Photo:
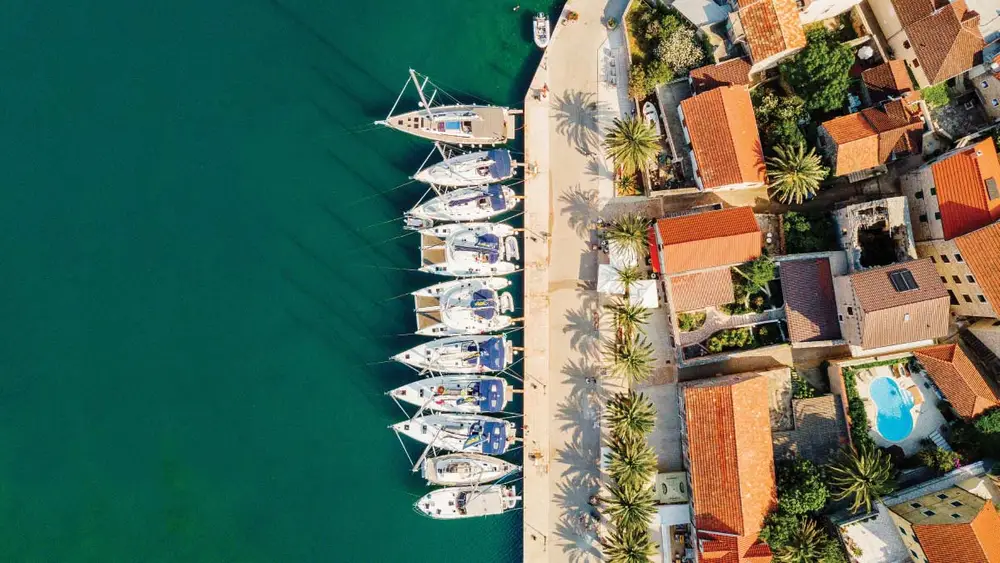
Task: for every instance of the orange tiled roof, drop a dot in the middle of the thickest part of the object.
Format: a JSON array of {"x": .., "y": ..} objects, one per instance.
[
  {"x": 708, "y": 240},
  {"x": 726, "y": 73},
  {"x": 724, "y": 137},
  {"x": 887, "y": 80},
  {"x": 728, "y": 549},
  {"x": 701, "y": 289},
  {"x": 897, "y": 317},
  {"x": 981, "y": 251},
  {"x": 771, "y": 27},
  {"x": 962, "y": 195},
  {"x": 947, "y": 41},
  {"x": 870, "y": 137},
  {"x": 730, "y": 457},
  {"x": 959, "y": 380},
  {"x": 970, "y": 542}
]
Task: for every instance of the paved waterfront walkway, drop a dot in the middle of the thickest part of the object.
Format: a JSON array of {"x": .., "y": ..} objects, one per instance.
[{"x": 562, "y": 142}]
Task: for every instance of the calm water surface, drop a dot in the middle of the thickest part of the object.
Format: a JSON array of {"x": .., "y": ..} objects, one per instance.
[{"x": 192, "y": 288}]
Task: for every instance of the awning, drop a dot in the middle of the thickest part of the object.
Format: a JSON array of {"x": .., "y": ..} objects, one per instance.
[
  {"x": 654, "y": 252},
  {"x": 644, "y": 293}
]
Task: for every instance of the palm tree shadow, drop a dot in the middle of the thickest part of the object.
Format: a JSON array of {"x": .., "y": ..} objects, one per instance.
[
  {"x": 576, "y": 119},
  {"x": 585, "y": 337},
  {"x": 572, "y": 497},
  {"x": 581, "y": 208}
]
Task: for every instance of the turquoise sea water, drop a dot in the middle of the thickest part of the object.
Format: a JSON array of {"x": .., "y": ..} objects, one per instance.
[{"x": 188, "y": 296}]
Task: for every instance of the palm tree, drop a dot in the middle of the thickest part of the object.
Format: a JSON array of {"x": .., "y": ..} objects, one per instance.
[
  {"x": 864, "y": 475},
  {"x": 628, "y": 546},
  {"x": 630, "y": 413},
  {"x": 630, "y": 508},
  {"x": 631, "y": 461},
  {"x": 632, "y": 144},
  {"x": 631, "y": 359},
  {"x": 630, "y": 232},
  {"x": 628, "y": 317},
  {"x": 807, "y": 544},
  {"x": 628, "y": 276},
  {"x": 795, "y": 173}
]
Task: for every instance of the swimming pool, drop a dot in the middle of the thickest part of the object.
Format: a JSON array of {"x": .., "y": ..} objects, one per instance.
[{"x": 893, "y": 421}]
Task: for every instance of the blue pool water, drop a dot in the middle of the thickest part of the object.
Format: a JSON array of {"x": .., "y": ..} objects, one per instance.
[{"x": 893, "y": 421}]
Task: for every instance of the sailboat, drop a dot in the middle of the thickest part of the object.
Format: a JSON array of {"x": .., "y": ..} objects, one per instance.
[
  {"x": 452, "y": 503},
  {"x": 482, "y": 167},
  {"x": 460, "y": 354},
  {"x": 476, "y": 203},
  {"x": 463, "y": 306},
  {"x": 460, "y": 432},
  {"x": 457, "y": 393},
  {"x": 469, "y": 249},
  {"x": 456, "y": 124},
  {"x": 464, "y": 469}
]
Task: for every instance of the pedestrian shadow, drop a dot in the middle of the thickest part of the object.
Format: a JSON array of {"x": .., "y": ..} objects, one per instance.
[
  {"x": 576, "y": 119},
  {"x": 581, "y": 208}
]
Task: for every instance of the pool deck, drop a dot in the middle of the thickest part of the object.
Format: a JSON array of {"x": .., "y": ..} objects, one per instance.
[{"x": 927, "y": 417}]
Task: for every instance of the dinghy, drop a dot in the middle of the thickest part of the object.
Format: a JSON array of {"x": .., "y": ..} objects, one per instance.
[
  {"x": 652, "y": 117},
  {"x": 464, "y": 306},
  {"x": 460, "y": 432},
  {"x": 463, "y": 204},
  {"x": 483, "y": 167},
  {"x": 460, "y": 354},
  {"x": 457, "y": 393},
  {"x": 465, "y": 469},
  {"x": 542, "y": 31},
  {"x": 469, "y": 249},
  {"x": 451, "y": 503}
]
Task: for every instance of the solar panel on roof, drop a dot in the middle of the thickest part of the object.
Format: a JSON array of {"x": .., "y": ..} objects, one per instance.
[{"x": 902, "y": 280}]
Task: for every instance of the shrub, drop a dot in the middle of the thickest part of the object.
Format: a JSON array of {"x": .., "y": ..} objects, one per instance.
[
  {"x": 680, "y": 51},
  {"x": 936, "y": 96},
  {"x": 807, "y": 232},
  {"x": 801, "y": 388},
  {"x": 820, "y": 73},
  {"x": 989, "y": 421},
  {"x": 778, "y": 118},
  {"x": 729, "y": 339},
  {"x": 939, "y": 459},
  {"x": 801, "y": 487},
  {"x": 690, "y": 321}
]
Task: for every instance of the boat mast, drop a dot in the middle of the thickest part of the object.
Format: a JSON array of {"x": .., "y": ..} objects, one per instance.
[{"x": 420, "y": 91}]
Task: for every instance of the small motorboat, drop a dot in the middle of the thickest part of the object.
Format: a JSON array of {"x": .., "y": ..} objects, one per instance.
[
  {"x": 463, "y": 306},
  {"x": 460, "y": 354},
  {"x": 451, "y": 503},
  {"x": 465, "y": 469},
  {"x": 469, "y": 249},
  {"x": 457, "y": 393},
  {"x": 652, "y": 117},
  {"x": 483, "y": 167},
  {"x": 542, "y": 30},
  {"x": 460, "y": 432},
  {"x": 477, "y": 203}
]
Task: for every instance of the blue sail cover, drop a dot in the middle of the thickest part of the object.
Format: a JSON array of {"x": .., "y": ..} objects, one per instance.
[
  {"x": 484, "y": 303},
  {"x": 491, "y": 354},
  {"x": 497, "y": 200},
  {"x": 490, "y": 395},
  {"x": 501, "y": 163},
  {"x": 496, "y": 438}
]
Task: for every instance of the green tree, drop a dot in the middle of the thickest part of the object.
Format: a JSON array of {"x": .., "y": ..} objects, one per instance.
[
  {"x": 794, "y": 173},
  {"x": 779, "y": 528},
  {"x": 632, "y": 144},
  {"x": 989, "y": 421},
  {"x": 808, "y": 543},
  {"x": 820, "y": 73},
  {"x": 628, "y": 277},
  {"x": 630, "y": 414},
  {"x": 805, "y": 232},
  {"x": 630, "y": 508},
  {"x": 681, "y": 51},
  {"x": 631, "y": 461},
  {"x": 628, "y": 546},
  {"x": 801, "y": 487},
  {"x": 936, "y": 96},
  {"x": 939, "y": 459},
  {"x": 625, "y": 186},
  {"x": 630, "y": 232},
  {"x": 631, "y": 359},
  {"x": 863, "y": 475},
  {"x": 628, "y": 317},
  {"x": 778, "y": 118},
  {"x": 757, "y": 274}
]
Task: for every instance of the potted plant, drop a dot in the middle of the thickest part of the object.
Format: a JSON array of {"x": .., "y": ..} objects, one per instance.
[{"x": 612, "y": 23}]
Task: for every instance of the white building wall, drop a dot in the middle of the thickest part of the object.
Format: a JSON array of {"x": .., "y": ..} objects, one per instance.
[
  {"x": 921, "y": 196},
  {"x": 958, "y": 278},
  {"x": 822, "y": 9}
]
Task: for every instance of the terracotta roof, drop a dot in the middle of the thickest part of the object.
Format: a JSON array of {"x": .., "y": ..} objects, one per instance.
[
  {"x": 887, "y": 80},
  {"x": 708, "y": 240},
  {"x": 733, "y": 72},
  {"x": 896, "y": 317},
  {"x": 703, "y": 289},
  {"x": 870, "y": 137},
  {"x": 771, "y": 27},
  {"x": 810, "y": 303},
  {"x": 947, "y": 42},
  {"x": 724, "y": 137},
  {"x": 962, "y": 194},
  {"x": 980, "y": 251},
  {"x": 969, "y": 542},
  {"x": 730, "y": 459},
  {"x": 909, "y": 11},
  {"x": 728, "y": 549},
  {"x": 959, "y": 380}
]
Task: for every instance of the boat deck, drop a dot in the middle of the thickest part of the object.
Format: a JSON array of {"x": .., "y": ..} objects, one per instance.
[
  {"x": 427, "y": 319},
  {"x": 432, "y": 250},
  {"x": 426, "y": 301},
  {"x": 493, "y": 124}
]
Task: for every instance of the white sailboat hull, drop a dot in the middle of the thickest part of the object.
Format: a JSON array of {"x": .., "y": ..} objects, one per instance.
[
  {"x": 469, "y": 249},
  {"x": 472, "y": 354},
  {"x": 465, "y": 469},
  {"x": 472, "y": 169},
  {"x": 476, "y": 203},
  {"x": 460, "y": 432},
  {"x": 455, "y": 307},
  {"x": 462, "y": 125},
  {"x": 457, "y": 393},
  {"x": 452, "y": 503}
]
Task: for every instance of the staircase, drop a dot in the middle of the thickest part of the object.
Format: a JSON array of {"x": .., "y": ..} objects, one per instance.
[{"x": 939, "y": 441}]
